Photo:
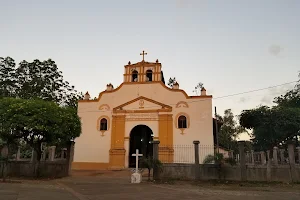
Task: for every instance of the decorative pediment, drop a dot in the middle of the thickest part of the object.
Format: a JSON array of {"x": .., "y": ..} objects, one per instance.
[{"x": 143, "y": 104}]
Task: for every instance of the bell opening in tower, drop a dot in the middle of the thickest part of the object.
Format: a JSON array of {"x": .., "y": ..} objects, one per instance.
[
  {"x": 134, "y": 76},
  {"x": 149, "y": 75}
]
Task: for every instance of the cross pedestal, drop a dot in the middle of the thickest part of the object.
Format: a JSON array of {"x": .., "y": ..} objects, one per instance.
[{"x": 136, "y": 177}]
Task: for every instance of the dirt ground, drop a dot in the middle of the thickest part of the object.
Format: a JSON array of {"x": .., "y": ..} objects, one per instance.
[{"x": 110, "y": 185}]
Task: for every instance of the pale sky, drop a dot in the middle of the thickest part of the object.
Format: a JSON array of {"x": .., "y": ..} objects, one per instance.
[{"x": 230, "y": 46}]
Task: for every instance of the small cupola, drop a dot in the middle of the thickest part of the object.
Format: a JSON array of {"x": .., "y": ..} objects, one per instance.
[
  {"x": 87, "y": 96},
  {"x": 109, "y": 87},
  {"x": 175, "y": 86},
  {"x": 203, "y": 91}
]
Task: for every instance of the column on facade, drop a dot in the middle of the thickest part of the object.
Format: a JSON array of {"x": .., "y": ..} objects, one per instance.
[
  {"x": 165, "y": 128},
  {"x": 117, "y": 150}
]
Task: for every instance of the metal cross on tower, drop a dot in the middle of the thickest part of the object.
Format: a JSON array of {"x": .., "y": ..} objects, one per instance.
[{"x": 143, "y": 54}]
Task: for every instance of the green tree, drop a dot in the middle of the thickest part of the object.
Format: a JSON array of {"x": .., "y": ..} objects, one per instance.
[
  {"x": 291, "y": 98},
  {"x": 273, "y": 126},
  {"x": 43, "y": 80},
  {"x": 229, "y": 130},
  {"x": 7, "y": 77},
  {"x": 219, "y": 160},
  {"x": 37, "y": 122},
  {"x": 198, "y": 88},
  {"x": 171, "y": 81},
  {"x": 151, "y": 163}
]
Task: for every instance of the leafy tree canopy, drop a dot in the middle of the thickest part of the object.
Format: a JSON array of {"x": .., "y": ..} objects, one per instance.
[
  {"x": 273, "y": 126},
  {"x": 229, "y": 130},
  {"x": 291, "y": 98},
  {"x": 37, "y": 121},
  {"x": 37, "y": 79},
  {"x": 171, "y": 81},
  {"x": 7, "y": 77}
]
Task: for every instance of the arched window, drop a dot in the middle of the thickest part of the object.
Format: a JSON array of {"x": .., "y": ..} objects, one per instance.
[
  {"x": 149, "y": 75},
  {"x": 134, "y": 76},
  {"x": 182, "y": 122},
  {"x": 103, "y": 124}
]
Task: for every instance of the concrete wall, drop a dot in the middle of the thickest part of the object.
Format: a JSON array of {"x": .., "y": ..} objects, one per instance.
[
  {"x": 53, "y": 169},
  {"x": 210, "y": 172},
  {"x": 179, "y": 171}
]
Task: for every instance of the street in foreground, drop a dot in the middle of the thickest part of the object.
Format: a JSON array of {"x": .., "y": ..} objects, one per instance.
[{"x": 116, "y": 185}]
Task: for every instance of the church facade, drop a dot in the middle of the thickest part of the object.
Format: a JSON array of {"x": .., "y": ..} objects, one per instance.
[{"x": 131, "y": 116}]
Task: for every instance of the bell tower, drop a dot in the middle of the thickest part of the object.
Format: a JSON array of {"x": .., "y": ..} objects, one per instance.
[{"x": 143, "y": 71}]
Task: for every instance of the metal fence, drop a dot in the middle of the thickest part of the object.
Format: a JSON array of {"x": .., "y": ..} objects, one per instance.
[{"x": 183, "y": 153}]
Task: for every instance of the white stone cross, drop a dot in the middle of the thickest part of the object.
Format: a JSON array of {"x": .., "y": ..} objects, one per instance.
[{"x": 136, "y": 154}]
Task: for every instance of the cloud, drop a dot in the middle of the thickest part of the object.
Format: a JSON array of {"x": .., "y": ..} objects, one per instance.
[
  {"x": 274, "y": 92},
  {"x": 244, "y": 99},
  {"x": 267, "y": 100},
  {"x": 275, "y": 50}
]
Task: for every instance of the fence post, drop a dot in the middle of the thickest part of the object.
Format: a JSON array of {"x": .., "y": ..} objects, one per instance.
[
  {"x": 70, "y": 156},
  {"x": 44, "y": 154},
  {"x": 63, "y": 150},
  {"x": 269, "y": 163},
  {"x": 197, "y": 163},
  {"x": 263, "y": 157},
  {"x": 33, "y": 156},
  {"x": 252, "y": 157},
  {"x": 275, "y": 157},
  {"x": 242, "y": 160},
  {"x": 282, "y": 160},
  {"x": 247, "y": 157},
  {"x": 52, "y": 153},
  {"x": 291, "y": 150},
  {"x": 155, "y": 157},
  {"x": 18, "y": 156}
]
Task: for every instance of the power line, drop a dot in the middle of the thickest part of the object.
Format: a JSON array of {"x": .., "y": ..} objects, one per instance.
[{"x": 221, "y": 97}]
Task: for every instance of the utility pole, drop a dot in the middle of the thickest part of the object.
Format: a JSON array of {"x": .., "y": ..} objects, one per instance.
[{"x": 217, "y": 131}]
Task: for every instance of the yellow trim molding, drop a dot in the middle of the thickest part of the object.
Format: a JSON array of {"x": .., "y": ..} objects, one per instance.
[
  {"x": 165, "y": 129},
  {"x": 117, "y": 151},
  {"x": 117, "y": 158},
  {"x": 163, "y": 106},
  {"x": 142, "y": 111}
]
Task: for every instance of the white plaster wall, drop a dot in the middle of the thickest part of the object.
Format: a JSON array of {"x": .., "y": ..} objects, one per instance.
[
  {"x": 201, "y": 125},
  {"x": 91, "y": 147}
]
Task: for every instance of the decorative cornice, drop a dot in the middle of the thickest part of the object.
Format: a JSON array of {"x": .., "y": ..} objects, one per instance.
[{"x": 150, "y": 82}]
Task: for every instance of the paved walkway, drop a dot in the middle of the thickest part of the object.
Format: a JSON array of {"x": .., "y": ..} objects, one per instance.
[{"x": 115, "y": 186}]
